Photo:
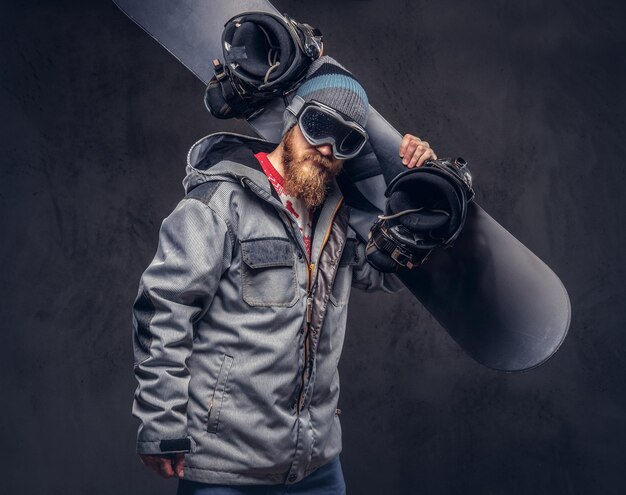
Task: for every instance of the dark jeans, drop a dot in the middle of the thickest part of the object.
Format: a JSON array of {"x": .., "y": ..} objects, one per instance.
[{"x": 327, "y": 480}]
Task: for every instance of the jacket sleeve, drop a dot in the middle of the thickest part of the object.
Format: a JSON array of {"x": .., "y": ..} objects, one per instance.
[
  {"x": 368, "y": 278},
  {"x": 194, "y": 250}
]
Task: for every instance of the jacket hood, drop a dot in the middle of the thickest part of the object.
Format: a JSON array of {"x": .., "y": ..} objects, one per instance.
[{"x": 228, "y": 157}]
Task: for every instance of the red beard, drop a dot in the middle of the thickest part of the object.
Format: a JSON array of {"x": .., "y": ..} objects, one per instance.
[{"x": 307, "y": 181}]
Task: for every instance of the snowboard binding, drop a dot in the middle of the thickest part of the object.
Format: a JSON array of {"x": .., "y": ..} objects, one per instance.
[
  {"x": 426, "y": 209},
  {"x": 265, "y": 56}
]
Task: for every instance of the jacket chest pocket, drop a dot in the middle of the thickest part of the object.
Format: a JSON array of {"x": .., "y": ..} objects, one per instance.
[{"x": 268, "y": 272}]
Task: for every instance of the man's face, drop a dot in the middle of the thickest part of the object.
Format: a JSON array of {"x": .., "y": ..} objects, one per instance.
[{"x": 308, "y": 169}]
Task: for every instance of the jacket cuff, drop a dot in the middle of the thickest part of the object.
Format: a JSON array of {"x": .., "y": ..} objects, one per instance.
[{"x": 170, "y": 446}]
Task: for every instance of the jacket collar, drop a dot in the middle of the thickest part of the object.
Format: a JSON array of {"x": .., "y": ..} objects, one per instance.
[
  {"x": 226, "y": 156},
  {"x": 325, "y": 219}
]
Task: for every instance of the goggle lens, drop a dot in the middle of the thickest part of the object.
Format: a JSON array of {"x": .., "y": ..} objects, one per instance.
[
  {"x": 351, "y": 142},
  {"x": 319, "y": 126}
]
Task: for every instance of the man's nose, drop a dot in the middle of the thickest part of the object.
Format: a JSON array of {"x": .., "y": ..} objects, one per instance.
[{"x": 325, "y": 149}]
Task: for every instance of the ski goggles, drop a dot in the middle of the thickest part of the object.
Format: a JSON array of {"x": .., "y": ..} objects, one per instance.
[{"x": 321, "y": 124}]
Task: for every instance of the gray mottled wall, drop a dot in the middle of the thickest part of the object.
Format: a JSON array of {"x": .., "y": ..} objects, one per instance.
[{"x": 96, "y": 122}]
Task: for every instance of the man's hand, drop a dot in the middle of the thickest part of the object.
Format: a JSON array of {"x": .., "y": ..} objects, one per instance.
[
  {"x": 414, "y": 151},
  {"x": 166, "y": 465}
]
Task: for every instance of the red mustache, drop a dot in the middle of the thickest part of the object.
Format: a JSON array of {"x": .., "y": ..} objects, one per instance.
[{"x": 319, "y": 159}]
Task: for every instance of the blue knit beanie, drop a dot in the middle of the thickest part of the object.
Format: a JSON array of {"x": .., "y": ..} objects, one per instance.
[{"x": 330, "y": 83}]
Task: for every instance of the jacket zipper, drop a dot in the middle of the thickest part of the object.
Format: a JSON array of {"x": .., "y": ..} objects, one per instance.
[
  {"x": 309, "y": 307},
  {"x": 309, "y": 300},
  {"x": 309, "y": 304}
]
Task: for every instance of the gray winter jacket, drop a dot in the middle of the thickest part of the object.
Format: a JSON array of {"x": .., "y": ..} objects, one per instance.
[{"x": 237, "y": 333}]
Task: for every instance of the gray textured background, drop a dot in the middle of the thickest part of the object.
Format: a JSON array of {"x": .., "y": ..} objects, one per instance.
[{"x": 96, "y": 123}]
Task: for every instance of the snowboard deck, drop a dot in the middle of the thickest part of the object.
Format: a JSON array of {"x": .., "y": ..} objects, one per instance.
[{"x": 503, "y": 305}]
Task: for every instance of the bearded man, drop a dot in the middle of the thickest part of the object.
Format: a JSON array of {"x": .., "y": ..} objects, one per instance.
[{"x": 240, "y": 318}]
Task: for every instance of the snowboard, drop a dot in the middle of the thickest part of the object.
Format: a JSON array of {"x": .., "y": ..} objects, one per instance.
[{"x": 504, "y": 306}]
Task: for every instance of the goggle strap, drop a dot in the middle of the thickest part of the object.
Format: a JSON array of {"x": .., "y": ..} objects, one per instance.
[{"x": 296, "y": 105}]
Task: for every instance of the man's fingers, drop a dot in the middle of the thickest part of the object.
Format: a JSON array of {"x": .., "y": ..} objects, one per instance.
[
  {"x": 428, "y": 154},
  {"x": 414, "y": 151},
  {"x": 165, "y": 467},
  {"x": 158, "y": 467},
  {"x": 420, "y": 151},
  {"x": 411, "y": 149},
  {"x": 420, "y": 155},
  {"x": 161, "y": 465},
  {"x": 406, "y": 139},
  {"x": 178, "y": 465}
]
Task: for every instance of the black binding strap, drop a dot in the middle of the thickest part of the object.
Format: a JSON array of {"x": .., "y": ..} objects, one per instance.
[
  {"x": 265, "y": 55},
  {"x": 426, "y": 209}
]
